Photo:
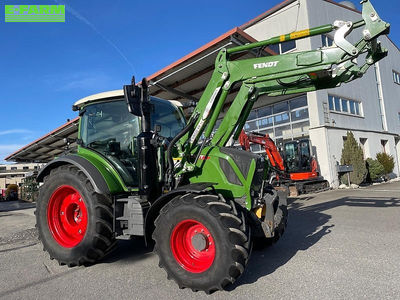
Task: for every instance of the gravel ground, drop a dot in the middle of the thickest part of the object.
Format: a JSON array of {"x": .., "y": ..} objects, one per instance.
[
  {"x": 338, "y": 245},
  {"x": 25, "y": 235}
]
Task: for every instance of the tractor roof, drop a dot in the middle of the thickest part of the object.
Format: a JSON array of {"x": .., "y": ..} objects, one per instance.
[{"x": 110, "y": 95}]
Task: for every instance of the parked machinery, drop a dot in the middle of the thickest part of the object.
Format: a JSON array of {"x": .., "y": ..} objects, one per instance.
[
  {"x": 2, "y": 194},
  {"x": 11, "y": 192},
  {"x": 297, "y": 168},
  {"x": 30, "y": 187}
]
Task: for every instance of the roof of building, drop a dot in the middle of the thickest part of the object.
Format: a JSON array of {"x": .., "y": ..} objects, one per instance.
[
  {"x": 47, "y": 147},
  {"x": 186, "y": 78}
]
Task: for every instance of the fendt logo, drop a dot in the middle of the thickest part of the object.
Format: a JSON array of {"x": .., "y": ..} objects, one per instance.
[
  {"x": 34, "y": 13},
  {"x": 266, "y": 65}
]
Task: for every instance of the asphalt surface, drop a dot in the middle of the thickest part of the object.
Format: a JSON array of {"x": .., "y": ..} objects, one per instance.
[{"x": 340, "y": 244}]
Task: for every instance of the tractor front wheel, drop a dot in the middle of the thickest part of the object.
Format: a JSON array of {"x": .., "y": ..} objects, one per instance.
[
  {"x": 202, "y": 241},
  {"x": 73, "y": 221}
]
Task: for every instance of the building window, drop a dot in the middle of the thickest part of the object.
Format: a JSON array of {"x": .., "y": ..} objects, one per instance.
[
  {"x": 344, "y": 105},
  {"x": 255, "y": 148},
  {"x": 337, "y": 103},
  {"x": 331, "y": 105},
  {"x": 13, "y": 168},
  {"x": 285, "y": 120},
  {"x": 326, "y": 41},
  {"x": 25, "y": 168},
  {"x": 283, "y": 47},
  {"x": 396, "y": 77},
  {"x": 399, "y": 115},
  {"x": 384, "y": 143},
  {"x": 288, "y": 46},
  {"x": 4, "y": 168}
]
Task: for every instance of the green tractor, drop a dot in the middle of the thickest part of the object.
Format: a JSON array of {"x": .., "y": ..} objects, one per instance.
[{"x": 141, "y": 171}]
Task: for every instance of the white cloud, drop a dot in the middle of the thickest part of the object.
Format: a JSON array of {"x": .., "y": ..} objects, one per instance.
[
  {"x": 15, "y": 131},
  {"x": 6, "y": 150},
  {"x": 90, "y": 80},
  {"x": 84, "y": 81}
]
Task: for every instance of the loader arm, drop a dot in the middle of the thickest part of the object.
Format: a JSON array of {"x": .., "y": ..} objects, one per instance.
[{"x": 285, "y": 74}]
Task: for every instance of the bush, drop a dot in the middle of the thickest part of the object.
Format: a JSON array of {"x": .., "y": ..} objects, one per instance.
[
  {"x": 387, "y": 162},
  {"x": 375, "y": 169},
  {"x": 352, "y": 154}
]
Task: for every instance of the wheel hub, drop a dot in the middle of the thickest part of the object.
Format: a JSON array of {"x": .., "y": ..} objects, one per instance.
[
  {"x": 67, "y": 216},
  {"x": 192, "y": 246},
  {"x": 199, "y": 242}
]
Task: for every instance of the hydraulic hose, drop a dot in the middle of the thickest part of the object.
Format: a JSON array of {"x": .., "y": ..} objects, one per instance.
[{"x": 173, "y": 142}]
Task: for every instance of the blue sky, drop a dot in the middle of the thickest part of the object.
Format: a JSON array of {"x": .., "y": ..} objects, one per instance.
[{"x": 45, "y": 67}]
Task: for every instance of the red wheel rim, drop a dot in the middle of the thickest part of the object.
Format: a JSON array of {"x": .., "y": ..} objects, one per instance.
[
  {"x": 193, "y": 246},
  {"x": 67, "y": 216}
]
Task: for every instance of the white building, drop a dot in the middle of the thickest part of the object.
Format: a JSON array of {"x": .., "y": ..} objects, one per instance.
[
  {"x": 369, "y": 107},
  {"x": 13, "y": 173}
]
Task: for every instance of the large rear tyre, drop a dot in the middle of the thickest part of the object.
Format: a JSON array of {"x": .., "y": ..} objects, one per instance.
[
  {"x": 73, "y": 221},
  {"x": 202, "y": 241}
]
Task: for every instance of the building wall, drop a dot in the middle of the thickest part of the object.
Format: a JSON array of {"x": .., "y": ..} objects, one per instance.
[
  {"x": 329, "y": 142},
  {"x": 370, "y": 125},
  {"x": 13, "y": 173},
  {"x": 288, "y": 19},
  {"x": 391, "y": 90},
  {"x": 328, "y": 127}
]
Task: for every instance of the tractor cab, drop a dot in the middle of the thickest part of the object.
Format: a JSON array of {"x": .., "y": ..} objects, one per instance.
[{"x": 109, "y": 129}]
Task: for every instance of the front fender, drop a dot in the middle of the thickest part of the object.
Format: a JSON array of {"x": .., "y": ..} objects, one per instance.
[{"x": 155, "y": 208}]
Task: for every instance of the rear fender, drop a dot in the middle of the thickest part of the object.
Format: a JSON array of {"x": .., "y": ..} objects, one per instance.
[{"x": 96, "y": 178}]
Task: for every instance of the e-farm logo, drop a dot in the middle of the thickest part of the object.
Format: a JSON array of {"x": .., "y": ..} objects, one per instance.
[{"x": 34, "y": 13}]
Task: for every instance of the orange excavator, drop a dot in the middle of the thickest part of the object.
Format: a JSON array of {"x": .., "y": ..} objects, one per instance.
[{"x": 299, "y": 168}]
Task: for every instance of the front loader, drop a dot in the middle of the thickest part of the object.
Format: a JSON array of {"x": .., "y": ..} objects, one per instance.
[{"x": 141, "y": 170}]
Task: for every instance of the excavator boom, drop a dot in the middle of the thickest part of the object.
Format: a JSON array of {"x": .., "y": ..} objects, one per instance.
[{"x": 270, "y": 148}]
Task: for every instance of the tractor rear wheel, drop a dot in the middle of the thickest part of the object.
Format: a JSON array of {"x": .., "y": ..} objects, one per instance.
[
  {"x": 202, "y": 241},
  {"x": 73, "y": 221}
]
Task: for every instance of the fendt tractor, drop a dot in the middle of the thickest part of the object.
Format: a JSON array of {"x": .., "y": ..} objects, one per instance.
[{"x": 141, "y": 171}]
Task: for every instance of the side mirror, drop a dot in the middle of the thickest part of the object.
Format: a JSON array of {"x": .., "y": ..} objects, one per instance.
[
  {"x": 132, "y": 94},
  {"x": 138, "y": 100}
]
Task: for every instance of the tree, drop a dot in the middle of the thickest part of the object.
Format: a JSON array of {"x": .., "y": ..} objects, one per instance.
[
  {"x": 387, "y": 162},
  {"x": 352, "y": 154},
  {"x": 375, "y": 169}
]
